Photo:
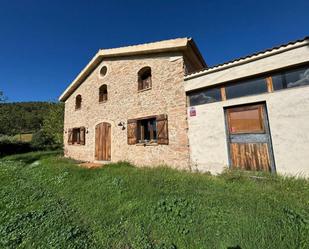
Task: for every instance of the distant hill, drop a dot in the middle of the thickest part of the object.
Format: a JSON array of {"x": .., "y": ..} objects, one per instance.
[{"x": 22, "y": 117}]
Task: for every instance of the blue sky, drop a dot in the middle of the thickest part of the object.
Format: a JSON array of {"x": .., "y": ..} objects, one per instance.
[{"x": 45, "y": 44}]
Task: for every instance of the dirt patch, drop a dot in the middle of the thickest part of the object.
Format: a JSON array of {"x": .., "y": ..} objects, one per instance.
[{"x": 91, "y": 165}]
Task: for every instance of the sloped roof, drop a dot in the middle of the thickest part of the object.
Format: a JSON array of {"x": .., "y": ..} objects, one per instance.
[
  {"x": 185, "y": 45},
  {"x": 251, "y": 57}
]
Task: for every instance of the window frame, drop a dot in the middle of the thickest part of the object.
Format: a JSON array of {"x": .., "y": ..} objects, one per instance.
[
  {"x": 76, "y": 136},
  {"x": 244, "y": 84},
  {"x": 200, "y": 91},
  {"x": 141, "y": 83},
  {"x": 162, "y": 134},
  {"x": 101, "y": 74},
  {"x": 269, "y": 81},
  {"x": 257, "y": 107},
  {"x": 103, "y": 93},
  {"x": 78, "y": 102},
  {"x": 141, "y": 137},
  {"x": 283, "y": 74}
]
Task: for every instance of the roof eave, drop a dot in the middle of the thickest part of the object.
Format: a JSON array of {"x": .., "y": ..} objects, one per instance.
[
  {"x": 81, "y": 77},
  {"x": 103, "y": 53},
  {"x": 250, "y": 58},
  {"x": 179, "y": 46},
  {"x": 197, "y": 52}
]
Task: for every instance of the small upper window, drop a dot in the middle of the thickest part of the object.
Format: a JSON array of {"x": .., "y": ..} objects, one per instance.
[
  {"x": 103, "y": 71},
  {"x": 291, "y": 78},
  {"x": 78, "y": 102},
  {"x": 205, "y": 96},
  {"x": 144, "y": 78},
  {"x": 103, "y": 93},
  {"x": 246, "y": 88}
]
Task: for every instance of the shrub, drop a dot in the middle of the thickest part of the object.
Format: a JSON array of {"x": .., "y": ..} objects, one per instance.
[
  {"x": 10, "y": 145},
  {"x": 42, "y": 141},
  {"x": 53, "y": 123},
  {"x": 6, "y": 138}
]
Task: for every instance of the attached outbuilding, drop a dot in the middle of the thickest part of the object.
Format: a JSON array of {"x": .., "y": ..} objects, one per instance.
[{"x": 252, "y": 113}]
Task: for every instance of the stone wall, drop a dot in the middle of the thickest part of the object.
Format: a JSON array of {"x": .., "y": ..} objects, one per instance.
[{"x": 167, "y": 96}]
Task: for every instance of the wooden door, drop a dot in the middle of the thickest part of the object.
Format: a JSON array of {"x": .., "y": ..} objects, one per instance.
[
  {"x": 249, "y": 139},
  {"x": 103, "y": 142}
]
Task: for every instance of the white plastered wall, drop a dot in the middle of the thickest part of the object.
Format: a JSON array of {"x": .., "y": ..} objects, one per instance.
[{"x": 288, "y": 114}]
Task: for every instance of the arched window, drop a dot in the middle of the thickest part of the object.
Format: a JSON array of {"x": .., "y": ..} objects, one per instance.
[
  {"x": 103, "y": 93},
  {"x": 78, "y": 102},
  {"x": 144, "y": 78}
]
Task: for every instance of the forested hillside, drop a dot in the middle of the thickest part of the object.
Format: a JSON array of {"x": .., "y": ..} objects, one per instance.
[
  {"x": 23, "y": 117},
  {"x": 30, "y": 126}
]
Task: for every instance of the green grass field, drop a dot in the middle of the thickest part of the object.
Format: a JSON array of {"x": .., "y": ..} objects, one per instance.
[
  {"x": 49, "y": 202},
  {"x": 27, "y": 137}
]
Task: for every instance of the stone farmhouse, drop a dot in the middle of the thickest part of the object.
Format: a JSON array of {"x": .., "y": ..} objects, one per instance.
[{"x": 160, "y": 104}]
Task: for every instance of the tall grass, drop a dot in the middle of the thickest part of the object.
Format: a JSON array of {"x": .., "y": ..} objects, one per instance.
[{"x": 49, "y": 202}]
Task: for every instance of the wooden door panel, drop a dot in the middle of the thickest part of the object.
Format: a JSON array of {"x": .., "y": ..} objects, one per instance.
[
  {"x": 103, "y": 142},
  {"x": 108, "y": 143},
  {"x": 249, "y": 138},
  {"x": 97, "y": 142},
  {"x": 250, "y": 156}
]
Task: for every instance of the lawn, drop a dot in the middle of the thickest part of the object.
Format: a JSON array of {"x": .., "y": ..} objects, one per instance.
[
  {"x": 26, "y": 137},
  {"x": 49, "y": 202}
]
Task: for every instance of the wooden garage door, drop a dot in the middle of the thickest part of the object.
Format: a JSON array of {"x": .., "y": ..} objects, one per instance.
[
  {"x": 103, "y": 142},
  {"x": 249, "y": 138}
]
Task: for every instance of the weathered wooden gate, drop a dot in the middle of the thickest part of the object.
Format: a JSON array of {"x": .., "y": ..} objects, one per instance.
[
  {"x": 103, "y": 142},
  {"x": 249, "y": 140}
]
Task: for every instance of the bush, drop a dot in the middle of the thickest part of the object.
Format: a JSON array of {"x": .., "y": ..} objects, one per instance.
[
  {"x": 53, "y": 123},
  {"x": 6, "y": 138},
  {"x": 10, "y": 145},
  {"x": 42, "y": 141}
]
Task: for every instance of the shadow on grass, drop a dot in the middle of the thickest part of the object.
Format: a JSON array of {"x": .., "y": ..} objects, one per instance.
[{"x": 9, "y": 148}]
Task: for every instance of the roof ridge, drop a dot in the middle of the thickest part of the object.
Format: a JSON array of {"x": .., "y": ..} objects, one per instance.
[{"x": 147, "y": 43}]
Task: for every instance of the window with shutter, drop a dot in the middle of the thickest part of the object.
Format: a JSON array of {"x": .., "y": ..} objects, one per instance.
[
  {"x": 162, "y": 129},
  {"x": 77, "y": 136},
  {"x": 148, "y": 130},
  {"x": 131, "y": 129}
]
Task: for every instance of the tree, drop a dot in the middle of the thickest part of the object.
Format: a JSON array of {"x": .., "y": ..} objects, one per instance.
[
  {"x": 22, "y": 117},
  {"x": 2, "y": 97},
  {"x": 53, "y": 123}
]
